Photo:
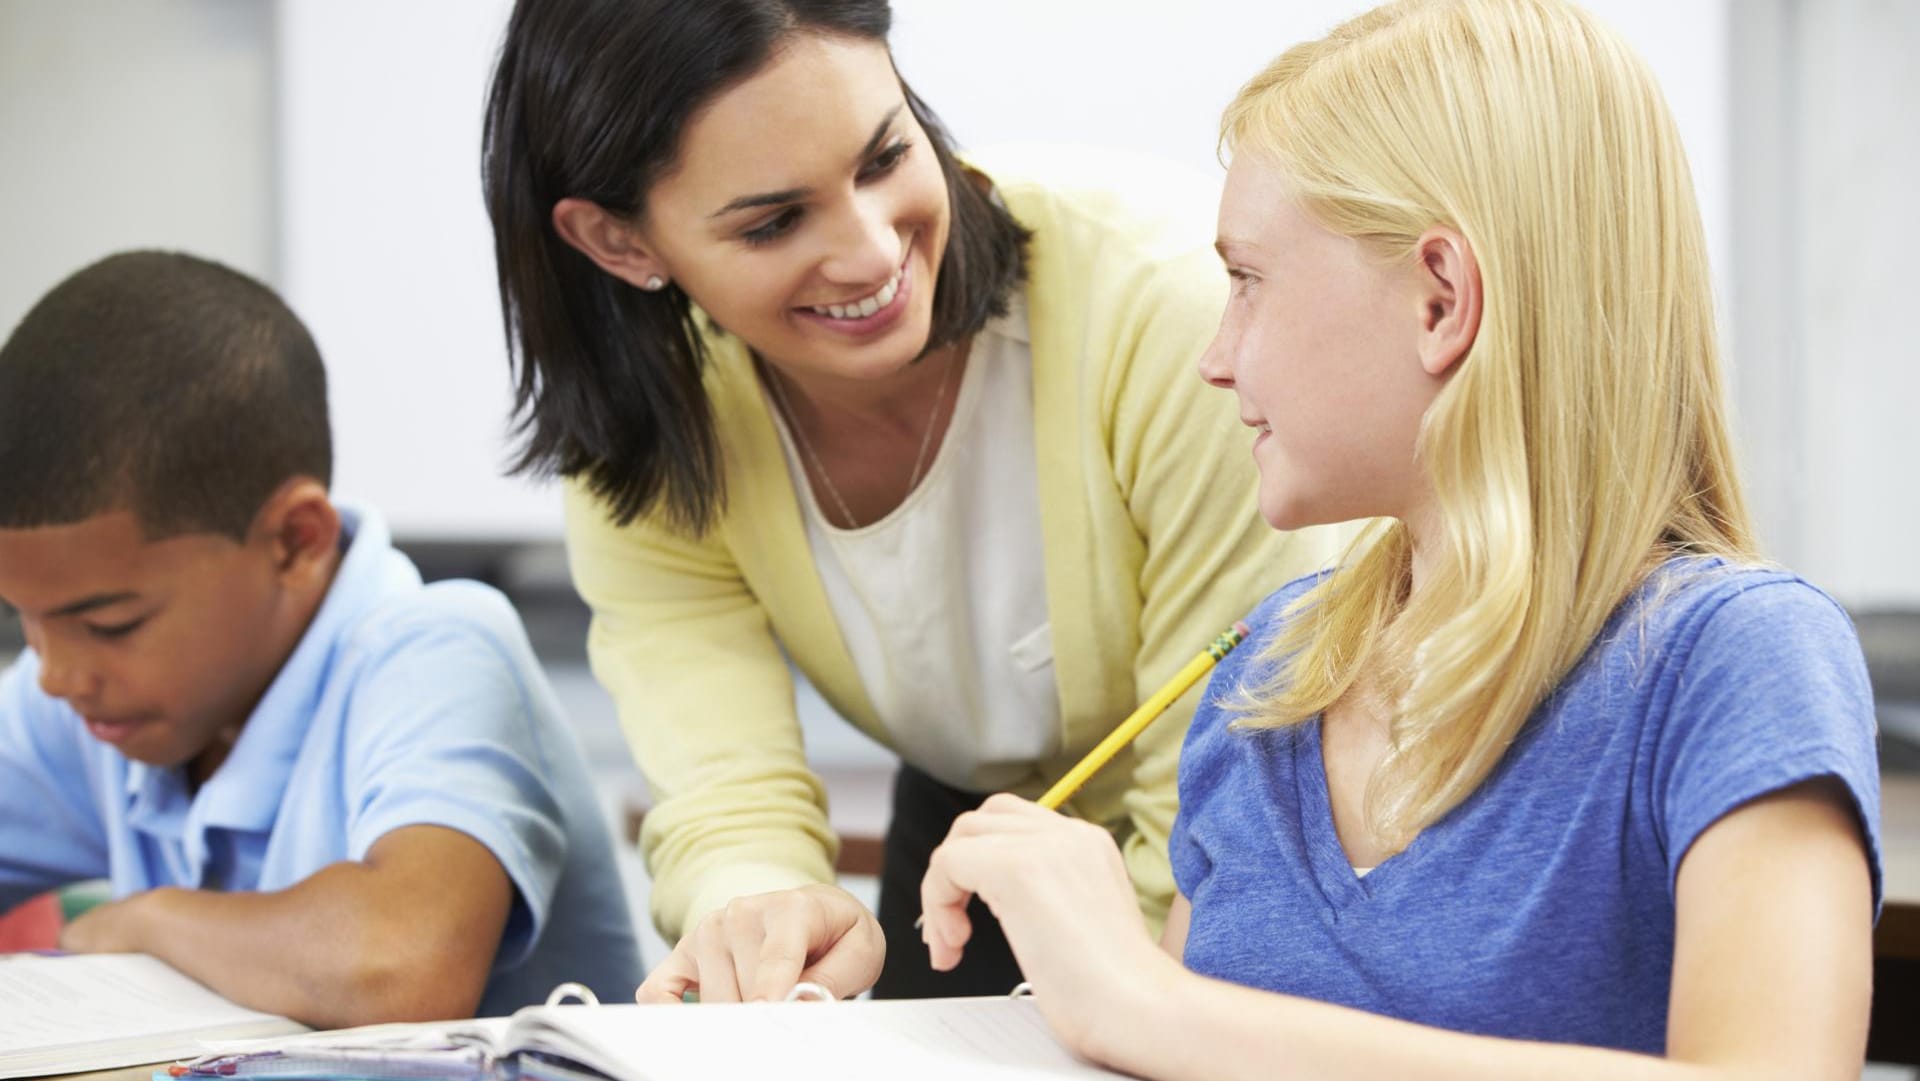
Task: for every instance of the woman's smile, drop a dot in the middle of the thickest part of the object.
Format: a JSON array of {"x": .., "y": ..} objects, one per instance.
[{"x": 872, "y": 314}]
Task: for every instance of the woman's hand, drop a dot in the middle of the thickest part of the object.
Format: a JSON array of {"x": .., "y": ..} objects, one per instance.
[
  {"x": 757, "y": 948},
  {"x": 1061, "y": 893}
]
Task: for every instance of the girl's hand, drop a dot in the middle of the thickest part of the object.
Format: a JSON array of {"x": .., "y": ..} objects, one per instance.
[
  {"x": 1061, "y": 893},
  {"x": 757, "y": 948}
]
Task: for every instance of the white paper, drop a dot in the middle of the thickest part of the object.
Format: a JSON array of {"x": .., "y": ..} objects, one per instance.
[
  {"x": 96, "y": 1011},
  {"x": 928, "y": 1040}
]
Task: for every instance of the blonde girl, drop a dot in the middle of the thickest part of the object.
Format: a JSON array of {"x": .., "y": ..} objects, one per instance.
[{"x": 1554, "y": 777}]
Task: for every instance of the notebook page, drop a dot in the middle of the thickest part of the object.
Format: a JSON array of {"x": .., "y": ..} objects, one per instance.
[
  {"x": 94, "y": 1011},
  {"x": 931, "y": 1040}
]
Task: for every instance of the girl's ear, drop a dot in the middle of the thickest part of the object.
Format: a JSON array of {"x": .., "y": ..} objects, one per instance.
[
  {"x": 1449, "y": 296},
  {"x": 613, "y": 244}
]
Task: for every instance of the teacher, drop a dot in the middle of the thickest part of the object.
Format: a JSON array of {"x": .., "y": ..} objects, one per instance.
[{"x": 823, "y": 392}]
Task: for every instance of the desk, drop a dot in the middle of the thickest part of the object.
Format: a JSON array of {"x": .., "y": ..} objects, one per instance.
[
  {"x": 862, "y": 806},
  {"x": 1898, "y": 935},
  {"x": 1894, "y": 1035}
]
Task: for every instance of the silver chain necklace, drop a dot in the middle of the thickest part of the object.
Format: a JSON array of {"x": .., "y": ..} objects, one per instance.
[{"x": 806, "y": 447}]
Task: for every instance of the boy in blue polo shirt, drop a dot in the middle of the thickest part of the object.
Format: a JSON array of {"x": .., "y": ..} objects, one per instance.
[{"x": 317, "y": 785}]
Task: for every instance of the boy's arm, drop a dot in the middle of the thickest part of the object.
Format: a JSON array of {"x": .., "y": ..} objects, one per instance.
[
  {"x": 408, "y": 933},
  {"x": 455, "y": 840},
  {"x": 50, "y": 829}
]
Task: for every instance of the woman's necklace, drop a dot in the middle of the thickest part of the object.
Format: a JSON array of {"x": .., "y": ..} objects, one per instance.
[{"x": 820, "y": 467}]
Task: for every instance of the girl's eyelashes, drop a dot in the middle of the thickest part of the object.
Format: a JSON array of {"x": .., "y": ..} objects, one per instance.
[
  {"x": 781, "y": 223},
  {"x": 1242, "y": 281}
]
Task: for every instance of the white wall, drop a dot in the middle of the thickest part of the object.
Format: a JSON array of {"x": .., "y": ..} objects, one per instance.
[
  {"x": 140, "y": 123},
  {"x": 389, "y": 258},
  {"x": 330, "y": 146},
  {"x": 391, "y": 264},
  {"x": 1154, "y": 76},
  {"x": 1853, "y": 509}
]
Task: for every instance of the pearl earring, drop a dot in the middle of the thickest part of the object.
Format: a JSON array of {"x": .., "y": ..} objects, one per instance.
[{"x": 655, "y": 283}]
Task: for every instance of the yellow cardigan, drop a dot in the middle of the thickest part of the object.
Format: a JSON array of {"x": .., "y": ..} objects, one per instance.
[{"x": 1152, "y": 545}]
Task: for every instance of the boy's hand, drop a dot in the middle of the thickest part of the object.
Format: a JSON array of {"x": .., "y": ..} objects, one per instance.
[
  {"x": 407, "y": 934},
  {"x": 113, "y": 927}
]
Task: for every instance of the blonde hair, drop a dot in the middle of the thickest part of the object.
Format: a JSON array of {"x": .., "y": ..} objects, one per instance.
[{"x": 1580, "y": 443}]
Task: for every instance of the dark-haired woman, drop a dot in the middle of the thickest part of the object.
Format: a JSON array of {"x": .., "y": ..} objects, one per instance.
[{"x": 823, "y": 392}]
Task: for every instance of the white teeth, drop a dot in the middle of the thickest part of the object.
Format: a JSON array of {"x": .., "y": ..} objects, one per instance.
[{"x": 860, "y": 309}]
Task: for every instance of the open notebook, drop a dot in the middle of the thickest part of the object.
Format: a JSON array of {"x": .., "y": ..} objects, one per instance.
[
  {"x": 65, "y": 1014},
  {"x": 976, "y": 1039}
]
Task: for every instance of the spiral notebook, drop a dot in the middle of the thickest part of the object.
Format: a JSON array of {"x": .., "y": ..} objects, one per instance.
[{"x": 975, "y": 1039}]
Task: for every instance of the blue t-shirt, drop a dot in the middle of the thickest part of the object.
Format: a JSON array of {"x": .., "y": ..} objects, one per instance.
[
  {"x": 1542, "y": 907},
  {"x": 403, "y": 704}
]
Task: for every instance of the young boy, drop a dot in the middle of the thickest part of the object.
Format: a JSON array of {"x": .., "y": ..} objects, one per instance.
[{"x": 318, "y": 786}]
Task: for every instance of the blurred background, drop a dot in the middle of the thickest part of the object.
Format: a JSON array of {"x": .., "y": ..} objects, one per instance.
[{"x": 330, "y": 147}]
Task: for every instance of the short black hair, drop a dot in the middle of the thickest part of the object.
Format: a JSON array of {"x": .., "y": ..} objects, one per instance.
[
  {"x": 160, "y": 383},
  {"x": 590, "y": 100}
]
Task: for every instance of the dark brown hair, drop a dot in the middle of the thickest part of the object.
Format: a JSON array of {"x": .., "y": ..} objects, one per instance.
[
  {"x": 160, "y": 383},
  {"x": 590, "y": 100}
]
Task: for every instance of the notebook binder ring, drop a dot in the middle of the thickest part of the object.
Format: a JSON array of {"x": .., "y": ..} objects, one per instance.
[{"x": 559, "y": 995}]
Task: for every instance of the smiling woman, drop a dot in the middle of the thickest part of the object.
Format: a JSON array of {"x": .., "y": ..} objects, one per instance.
[{"x": 824, "y": 392}]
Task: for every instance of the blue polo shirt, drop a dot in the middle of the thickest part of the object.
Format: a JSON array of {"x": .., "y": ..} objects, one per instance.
[
  {"x": 404, "y": 704},
  {"x": 1541, "y": 907}
]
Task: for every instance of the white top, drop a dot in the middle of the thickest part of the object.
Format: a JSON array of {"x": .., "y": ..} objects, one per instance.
[{"x": 943, "y": 602}]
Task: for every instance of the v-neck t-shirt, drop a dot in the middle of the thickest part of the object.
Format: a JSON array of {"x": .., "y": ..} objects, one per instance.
[{"x": 1542, "y": 906}]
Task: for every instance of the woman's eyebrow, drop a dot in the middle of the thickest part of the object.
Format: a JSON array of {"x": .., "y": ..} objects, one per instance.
[{"x": 790, "y": 195}]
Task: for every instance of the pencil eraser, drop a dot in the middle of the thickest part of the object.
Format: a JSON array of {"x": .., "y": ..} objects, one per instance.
[{"x": 1240, "y": 627}]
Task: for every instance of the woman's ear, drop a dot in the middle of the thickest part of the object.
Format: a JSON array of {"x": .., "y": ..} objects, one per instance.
[
  {"x": 1449, "y": 294},
  {"x": 613, "y": 244}
]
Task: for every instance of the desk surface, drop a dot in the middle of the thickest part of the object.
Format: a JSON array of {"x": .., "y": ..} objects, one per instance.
[{"x": 1897, "y": 937}]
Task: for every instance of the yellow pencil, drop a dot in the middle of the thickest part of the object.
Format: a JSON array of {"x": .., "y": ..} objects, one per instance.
[
  {"x": 1137, "y": 722},
  {"x": 1066, "y": 786}
]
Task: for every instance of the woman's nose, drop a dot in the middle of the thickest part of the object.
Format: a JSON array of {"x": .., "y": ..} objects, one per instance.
[{"x": 867, "y": 249}]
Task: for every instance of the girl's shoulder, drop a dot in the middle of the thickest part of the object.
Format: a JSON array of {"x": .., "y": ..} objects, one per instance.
[
  {"x": 1288, "y": 602},
  {"x": 1691, "y": 602},
  {"x": 1251, "y": 663}
]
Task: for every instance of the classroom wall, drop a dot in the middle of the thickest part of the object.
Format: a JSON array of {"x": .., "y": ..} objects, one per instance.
[
  {"x": 136, "y": 123},
  {"x": 331, "y": 146},
  {"x": 1825, "y": 254},
  {"x": 392, "y": 268}
]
